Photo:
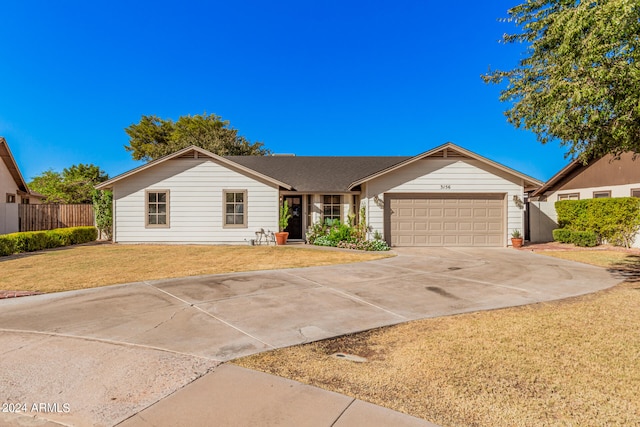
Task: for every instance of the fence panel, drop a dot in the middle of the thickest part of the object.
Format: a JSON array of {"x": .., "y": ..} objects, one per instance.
[{"x": 48, "y": 217}]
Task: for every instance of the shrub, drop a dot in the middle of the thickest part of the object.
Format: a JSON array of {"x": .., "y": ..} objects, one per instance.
[
  {"x": 324, "y": 241},
  {"x": 341, "y": 233},
  {"x": 615, "y": 220},
  {"x": 365, "y": 245},
  {"x": 347, "y": 236},
  {"x": 584, "y": 238},
  {"x": 562, "y": 235},
  {"x": 376, "y": 245},
  {"x": 7, "y": 245},
  {"x": 38, "y": 240}
]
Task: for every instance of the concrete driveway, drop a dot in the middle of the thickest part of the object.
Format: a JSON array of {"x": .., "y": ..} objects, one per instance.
[{"x": 108, "y": 353}]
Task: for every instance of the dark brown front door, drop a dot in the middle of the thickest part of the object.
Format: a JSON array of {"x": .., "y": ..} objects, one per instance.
[{"x": 295, "y": 223}]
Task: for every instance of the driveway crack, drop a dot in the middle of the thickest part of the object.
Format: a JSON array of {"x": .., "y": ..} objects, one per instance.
[{"x": 205, "y": 312}]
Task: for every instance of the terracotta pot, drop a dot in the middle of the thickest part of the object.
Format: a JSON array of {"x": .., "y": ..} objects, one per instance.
[
  {"x": 281, "y": 237},
  {"x": 517, "y": 243}
]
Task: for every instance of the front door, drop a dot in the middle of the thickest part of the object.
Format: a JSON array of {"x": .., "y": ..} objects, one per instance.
[{"x": 295, "y": 223}]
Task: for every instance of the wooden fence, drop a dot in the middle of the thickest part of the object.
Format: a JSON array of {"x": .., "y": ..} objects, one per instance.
[{"x": 48, "y": 217}]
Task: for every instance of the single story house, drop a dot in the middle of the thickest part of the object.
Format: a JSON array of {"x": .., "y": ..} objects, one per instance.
[
  {"x": 447, "y": 196},
  {"x": 13, "y": 191},
  {"x": 606, "y": 177}
]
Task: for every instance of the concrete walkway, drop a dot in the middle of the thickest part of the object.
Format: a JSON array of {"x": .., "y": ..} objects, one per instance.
[{"x": 151, "y": 353}]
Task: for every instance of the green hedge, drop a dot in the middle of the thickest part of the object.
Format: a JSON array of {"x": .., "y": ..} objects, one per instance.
[
  {"x": 38, "y": 240},
  {"x": 614, "y": 220},
  {"x": 562, "y": 235},
  {"x": 578, "y": 238}
]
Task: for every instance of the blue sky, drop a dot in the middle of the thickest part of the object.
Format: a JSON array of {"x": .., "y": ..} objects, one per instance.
[{"x": 323, "y": 77}]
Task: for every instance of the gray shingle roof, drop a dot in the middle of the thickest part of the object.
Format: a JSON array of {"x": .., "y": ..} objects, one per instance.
[{"x": 317, "y": 174}]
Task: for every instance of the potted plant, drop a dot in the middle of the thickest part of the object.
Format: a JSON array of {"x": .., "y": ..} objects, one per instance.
[
  {"x": 516, "y": 239},
  {"x": 285, "y": 216}
]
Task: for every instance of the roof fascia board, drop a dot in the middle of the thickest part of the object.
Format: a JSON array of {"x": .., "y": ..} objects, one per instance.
[
  {"x": 109, "y": 183},
  {"x": 556, "y": 178},
  {"x": 13, "y": 167},
  {"x": 527, "y": 179}
]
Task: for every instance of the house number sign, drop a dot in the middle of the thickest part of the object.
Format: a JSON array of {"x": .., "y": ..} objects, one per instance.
[{"x": 445, "y": 186}]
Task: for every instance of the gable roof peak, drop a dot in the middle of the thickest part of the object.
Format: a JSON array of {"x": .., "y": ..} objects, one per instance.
[{"x": 12, "y": 166}]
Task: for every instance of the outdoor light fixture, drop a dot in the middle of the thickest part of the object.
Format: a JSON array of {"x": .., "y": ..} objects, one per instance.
[{"x": 518, "y": 201}]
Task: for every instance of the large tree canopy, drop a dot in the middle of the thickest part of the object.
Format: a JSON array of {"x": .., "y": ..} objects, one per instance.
[
  {"x": 154, "y": 137},
  {"x": 579, "y": 81},
  {"x": 73, "y": 185}
]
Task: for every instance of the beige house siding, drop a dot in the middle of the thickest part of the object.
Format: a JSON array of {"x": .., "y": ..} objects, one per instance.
[
  {"x": 445, "y": 176},
  {"x": 8, "y": 211},
  {"x": 195, "y": 206}
]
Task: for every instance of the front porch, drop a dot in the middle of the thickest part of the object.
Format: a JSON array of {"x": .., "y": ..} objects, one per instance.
[{"x": 310, "y": 208}]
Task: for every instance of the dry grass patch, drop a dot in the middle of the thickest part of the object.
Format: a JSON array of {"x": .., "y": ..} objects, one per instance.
[
  {"x": 572, "y": 362},
  {"x": 81, "y": 267},
  {"x": 601, "y": 258}
]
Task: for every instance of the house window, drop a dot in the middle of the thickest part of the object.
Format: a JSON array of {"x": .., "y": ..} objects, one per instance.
[
  {"x": 11, "y": 198},
  {"x": 569, "y": 196},
  {"x": 157, "y": 207},
  {"x": 235, "y": 208},
  {"x": 25, "y": 200},
  {"x": 601, "y": 194},
  {"x": 635, "y": 192},
  {"x": 331, "y": 207}
]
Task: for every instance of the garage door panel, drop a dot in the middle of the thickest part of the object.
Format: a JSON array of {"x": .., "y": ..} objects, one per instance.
[
  {"x": 420, "y": 212},
  {"x": 435, "y": 226},
  {"x": 450, "y": 226},
  {"x": 460, "y": 220}
]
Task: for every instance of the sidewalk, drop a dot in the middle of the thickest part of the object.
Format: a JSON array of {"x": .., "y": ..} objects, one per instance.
[{"x": 235, "y": 396}]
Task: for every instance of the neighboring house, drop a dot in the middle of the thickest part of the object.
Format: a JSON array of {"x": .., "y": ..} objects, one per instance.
[
  {"x": 13, "y": 191},
  {"x": 447, "y": 196},
  {"x": 606, "y": 177}
]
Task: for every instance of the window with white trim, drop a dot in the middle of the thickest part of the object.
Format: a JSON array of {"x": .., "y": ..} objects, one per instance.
[
  {"x": 11, "y": 198},
  {"x": 235, "y": 208},
  {"x": 635, "y": 192},
  {"x": 157, "y": 209},
  {"x": 569, "y": 196},
  {"x": 331, "y": 207},
  {"x": 601, "y": 194}
]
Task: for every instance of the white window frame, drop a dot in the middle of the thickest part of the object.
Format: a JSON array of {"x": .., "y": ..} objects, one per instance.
[
  {"x": 569, "y": 196},
  {"x": 603, "y": 194},
  {"x": 148, "y": 204},
  {"x": 332, "y": 205},
  {"x": 243, "y": 210}
]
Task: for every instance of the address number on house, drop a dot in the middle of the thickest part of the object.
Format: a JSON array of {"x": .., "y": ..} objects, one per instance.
[{"x": 445, "y": 186}]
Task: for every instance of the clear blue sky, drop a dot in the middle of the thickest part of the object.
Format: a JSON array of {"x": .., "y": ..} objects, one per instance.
[{"x": 323, "y": 77}]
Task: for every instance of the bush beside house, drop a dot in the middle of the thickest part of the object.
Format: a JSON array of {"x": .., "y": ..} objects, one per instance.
[
  {"x": 30, "y": 241},
  {"x": 612, "y": 220},
  {"x": 345, "y": 235}
]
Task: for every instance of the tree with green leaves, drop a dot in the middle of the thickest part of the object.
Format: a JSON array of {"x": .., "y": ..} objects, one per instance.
[
  {"x": 579, "y": 82},
  {"x": 103, "y": 208},
  {"x": 154, "y": 137},
  {"x": 74, "y": 185}
]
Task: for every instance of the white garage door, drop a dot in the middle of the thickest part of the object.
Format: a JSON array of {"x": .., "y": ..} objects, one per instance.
[{"x": 446, "y": 220}]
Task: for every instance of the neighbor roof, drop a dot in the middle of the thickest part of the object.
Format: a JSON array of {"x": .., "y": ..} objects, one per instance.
[
  {"x": 8, "y": 159},
  {"x": 317, "y": 174},
  {"x": 565, "y": 171}
]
